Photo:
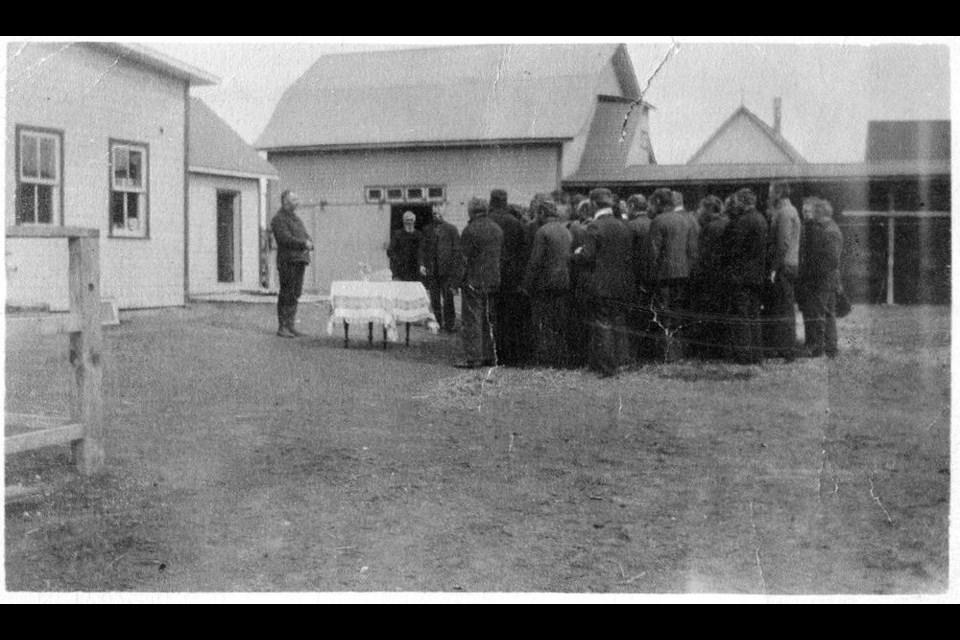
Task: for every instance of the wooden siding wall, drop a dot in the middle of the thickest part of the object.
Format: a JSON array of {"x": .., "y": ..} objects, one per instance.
[
  {"x": 349, "y": 231},
  {"x": 93, "y": 96},
  {"x": 203, "y": 233}
]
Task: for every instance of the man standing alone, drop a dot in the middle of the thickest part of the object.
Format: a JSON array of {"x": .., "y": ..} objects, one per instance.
[
  {"x": 293, "y": 255},
  {"x": 404, "y": 250}
]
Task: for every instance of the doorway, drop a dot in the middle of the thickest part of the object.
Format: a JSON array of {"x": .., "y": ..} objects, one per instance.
[{"x": 228, "y": 236}]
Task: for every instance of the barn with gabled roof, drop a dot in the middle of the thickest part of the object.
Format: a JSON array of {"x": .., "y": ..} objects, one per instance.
[{"x": 363, "y": 137}]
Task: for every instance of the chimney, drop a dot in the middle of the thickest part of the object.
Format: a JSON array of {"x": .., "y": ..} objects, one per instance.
[{"x": 777, "y": 104}]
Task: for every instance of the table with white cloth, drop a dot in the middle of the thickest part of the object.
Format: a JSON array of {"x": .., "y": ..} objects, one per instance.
[{"x": 386, "y": 304}]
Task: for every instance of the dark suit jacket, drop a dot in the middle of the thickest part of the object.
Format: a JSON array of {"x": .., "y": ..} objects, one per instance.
[
  {"x": 516, "y": 249},
  {"x": 481, "y": 243},
  {"x": 549, "y": 266},
  {"x": 745, "y": 248},
  {"x": 607, "y": 255},
  {"x": 821, "y": 244},
  {"x": 672, "y": 246},
  {"x": 404, "y": 254},
  {"x": 291, "y": 237},
  {"x": 440, "y": 252}
]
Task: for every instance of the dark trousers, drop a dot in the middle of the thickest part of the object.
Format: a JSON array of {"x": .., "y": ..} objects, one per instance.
[
  {"x": 513, "y": 327},
  {"x": 578, "y": 329},
  {"x": 745, "y": 335},
  {"x": 479, "y": 322},
  {"x": 609, "y": 337},
  {"x": 441, "y": 299},
  {"x": 549, "y": 314},
  {"x": 291, "y": 287},
  {"x": 709, "y": 303},
  {"x": 670, "y": 306},
  {"x": 819, "y": 308},
  {"x": 780, "y": 333}
]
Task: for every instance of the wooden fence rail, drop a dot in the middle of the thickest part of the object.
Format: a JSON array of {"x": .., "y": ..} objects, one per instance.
[{"x": 84, "y": 426}]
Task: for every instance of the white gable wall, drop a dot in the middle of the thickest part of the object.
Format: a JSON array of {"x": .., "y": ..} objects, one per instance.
[
  {"x": 203, "y": 233},
  {"x": 349, "y": 231},
  {"x": 742, "y": 142},
  {"x": 92, "y": 96}
]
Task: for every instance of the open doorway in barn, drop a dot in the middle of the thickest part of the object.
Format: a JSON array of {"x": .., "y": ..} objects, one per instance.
[
  {"x": 424, "y": 213},
  {"x": 228, "y": 236}
]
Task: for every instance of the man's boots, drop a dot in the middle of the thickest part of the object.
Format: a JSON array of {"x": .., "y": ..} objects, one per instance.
[
  {"x": 282, "y": 319},
  {"x": 292, "y": 320}
]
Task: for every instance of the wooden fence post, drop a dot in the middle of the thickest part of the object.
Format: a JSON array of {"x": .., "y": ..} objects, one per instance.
[{"x": 86, "y": 399}]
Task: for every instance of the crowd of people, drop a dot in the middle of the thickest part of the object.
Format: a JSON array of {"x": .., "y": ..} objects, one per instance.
[{"x": 591, "y": 280}]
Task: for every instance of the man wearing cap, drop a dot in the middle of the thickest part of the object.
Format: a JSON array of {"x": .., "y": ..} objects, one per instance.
[
  {"x": 440, "y": 265},
  {"x": 293, "y": 255},
  {"x": 607, "y": 258},
  {"x": 404, "y": 250},
  {"x": 481, "y": 243},
  {"x": 513, "y": 307}
]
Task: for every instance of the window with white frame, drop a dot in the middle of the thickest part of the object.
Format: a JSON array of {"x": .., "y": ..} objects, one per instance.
[
  {"x": 128, "y": 189},
  {"x": 39, "y": 179}
]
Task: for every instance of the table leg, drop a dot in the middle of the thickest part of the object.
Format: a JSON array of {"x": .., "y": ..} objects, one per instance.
[
  {"x": 408, "y": 334},
  {"x": 370, "y": 332},
  {"x": 384, "y": 336},
  {"x": 346, "y": 335}
]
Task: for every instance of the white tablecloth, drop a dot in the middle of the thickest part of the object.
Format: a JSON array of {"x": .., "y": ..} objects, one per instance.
[{"x": 384, "y": 303}]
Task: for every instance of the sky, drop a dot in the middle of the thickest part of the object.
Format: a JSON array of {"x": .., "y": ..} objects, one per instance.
[{"x": 830, "y": 88}]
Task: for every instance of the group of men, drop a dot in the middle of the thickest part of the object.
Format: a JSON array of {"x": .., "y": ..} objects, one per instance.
[{"x": 606, "y": 283}]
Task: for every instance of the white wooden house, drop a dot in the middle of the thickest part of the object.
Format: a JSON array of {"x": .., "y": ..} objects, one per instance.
[
  {"x": 228, "y": 200},
  {"x": 97, "y": 137},
  {"x": 363, "y": 137}
]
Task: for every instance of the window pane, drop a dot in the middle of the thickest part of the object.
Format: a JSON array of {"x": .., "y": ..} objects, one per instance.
[
  {"x": 44, "y": 203},
  {"x": 120, "y": 164},
  {"x": 48, "y": 158},
  {"x": 28, "y": 156},
  {"x": 133, "y": 207},
  {"x": 25, "y": 210},
  {"x": 136, "y": 169},
  {"x": 117, "y": 198}
]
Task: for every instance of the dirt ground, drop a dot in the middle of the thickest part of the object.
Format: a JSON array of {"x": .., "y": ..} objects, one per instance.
[{"x": 241, "y": 462}]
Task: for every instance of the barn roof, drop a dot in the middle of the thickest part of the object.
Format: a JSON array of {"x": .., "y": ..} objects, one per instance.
[
  {"x": 446, "y": 95},
  {"x": 790, "y": 154},
  {"x": 893, "y": 140},
  {"x": 216, "y": 148}
]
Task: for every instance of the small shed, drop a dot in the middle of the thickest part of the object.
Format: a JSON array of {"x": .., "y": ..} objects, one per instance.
[{"x": 228, "y": 206}]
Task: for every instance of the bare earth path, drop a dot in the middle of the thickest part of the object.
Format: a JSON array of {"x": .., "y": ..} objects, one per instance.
[{"x": 238, "y": 461}]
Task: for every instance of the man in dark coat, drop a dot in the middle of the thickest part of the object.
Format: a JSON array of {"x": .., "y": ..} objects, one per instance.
[
  {"x": 440, "y": 266},
  {"x": 404, "y": 250},
  {"x": 578, "y": 334},
  {"x": 638, "y": 219},
  {"x": 672, "y": 254},
  {"x": 708, "y": 294},
  {"x": 481, "y": 243},
  {"x": 547, "y": 282},
  {"x": 513, "y": 307},
  {"x": 293, "y": 255},
  {"x": 607, "y": 258},
  {"x": 745, "y": 245},
  {"x": 821, "y": 245}
]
